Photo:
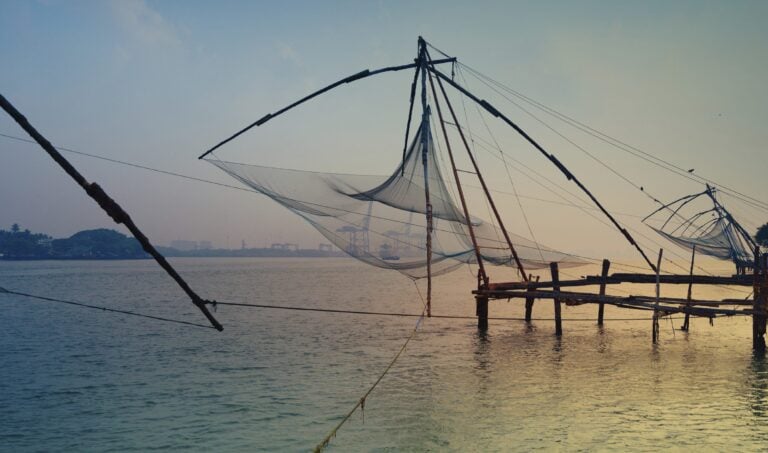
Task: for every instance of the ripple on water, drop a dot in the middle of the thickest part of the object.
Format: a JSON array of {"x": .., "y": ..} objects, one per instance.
[{"x": 277, "y": 380}]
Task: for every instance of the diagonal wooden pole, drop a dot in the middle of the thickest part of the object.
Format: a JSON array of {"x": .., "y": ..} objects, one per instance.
[{"x": 110, "y": 206}]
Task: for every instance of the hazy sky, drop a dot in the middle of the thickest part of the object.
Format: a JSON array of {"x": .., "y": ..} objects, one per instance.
[{"x": 156, "y": 83}]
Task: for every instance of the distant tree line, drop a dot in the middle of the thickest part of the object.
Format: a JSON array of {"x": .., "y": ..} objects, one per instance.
[
  {"x": 16, "y": 244},
  {"x": 762, "y": 236}
]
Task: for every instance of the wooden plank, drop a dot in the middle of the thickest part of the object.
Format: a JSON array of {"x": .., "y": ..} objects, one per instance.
[
  {"x": 618, "y": 278},
  {"x": 682, "y": 279}
]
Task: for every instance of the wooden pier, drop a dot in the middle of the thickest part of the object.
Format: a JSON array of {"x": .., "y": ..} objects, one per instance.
[{"x": 559, "y": 291}]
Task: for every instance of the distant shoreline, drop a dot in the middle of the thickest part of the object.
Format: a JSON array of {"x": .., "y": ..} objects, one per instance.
[
  {"x": 103, "y": 244},
  {"x": 173, "y": 253},
  {"x": 339, "y": 255}
]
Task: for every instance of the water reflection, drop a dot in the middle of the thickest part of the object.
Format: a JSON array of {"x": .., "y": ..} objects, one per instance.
[{"x": 757, "y": 383}]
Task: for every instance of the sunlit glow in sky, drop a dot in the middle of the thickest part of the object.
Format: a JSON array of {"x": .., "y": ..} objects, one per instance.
[{"x": 157, "y": 83}]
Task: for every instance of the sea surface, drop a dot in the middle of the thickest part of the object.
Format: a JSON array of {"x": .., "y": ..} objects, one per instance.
[{"x": 74, "y": 379}]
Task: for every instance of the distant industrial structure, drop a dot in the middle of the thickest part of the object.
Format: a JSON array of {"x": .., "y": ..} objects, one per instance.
[
  {"x": 284, "y": 246},
  {"x": 184, "y": 246}
]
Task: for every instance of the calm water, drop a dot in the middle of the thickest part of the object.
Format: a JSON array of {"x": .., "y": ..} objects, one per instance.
[{"x": 74, "y": 379}]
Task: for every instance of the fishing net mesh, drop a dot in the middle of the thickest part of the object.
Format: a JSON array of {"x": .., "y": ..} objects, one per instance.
[
  {"x": 381, "y": 220},
  {"x": 700, "y": 220}
]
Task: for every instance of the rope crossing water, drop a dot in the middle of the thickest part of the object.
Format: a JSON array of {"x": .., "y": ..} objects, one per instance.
[
  {"x": 105, "y": 309},
  {"x": 361, "y": 402},
  {"x": 396, "y": 314},
  {"x": 215, "y": 304}
]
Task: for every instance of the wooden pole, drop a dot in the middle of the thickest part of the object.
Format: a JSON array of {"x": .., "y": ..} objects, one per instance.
[
  {"x": 655, "y": 318},
  {"x": 570, "y": 176},
  {"x": 425, "y": 162},
  {"x": 480, "y": 178},
  {"x": 529, "y": 301},
  {"x": 758, "y": 341},
  {"x": 760, "y": 301},
  {"x": 604, "y": 275},
  {"x": 686, "y": 323},
  {"x": 481, "y": 303},
  {"x": 556, "y": 288},
  {"x": 459, "y": 189},
  {"x": 111, "y": 207}
]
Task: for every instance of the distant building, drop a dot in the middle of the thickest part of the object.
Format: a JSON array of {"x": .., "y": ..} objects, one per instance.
[
  {"x": 325, "y": 247},
  {"x": 184, "y": 246},
  {"x": 204, "y": 245}
]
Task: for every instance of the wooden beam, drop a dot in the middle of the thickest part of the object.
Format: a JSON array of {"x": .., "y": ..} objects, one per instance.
[{"x": 682, "y": 279}]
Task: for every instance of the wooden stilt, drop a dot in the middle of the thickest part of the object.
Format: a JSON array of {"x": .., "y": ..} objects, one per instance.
[
  {"x": 529, "y": 301},
  {"x": 656, "y": 312},
  {"x": 556, "y": 288},
  {"x": 760, "y": 294},
  {"x": 686, "y": 323},
  {"x": 482, "y": 312},
  {"x": 601, "y": 307},
  {"x": 528, "y": 309}
]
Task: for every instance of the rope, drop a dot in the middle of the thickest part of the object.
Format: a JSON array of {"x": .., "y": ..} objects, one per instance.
[
  {"x": 96, "y": 307},
  {"x": 398, "y": 314},
  {"x": 619, "y": 144},
  {"x": 361, "y": 402},
  {"x": 506, "y": 167}
]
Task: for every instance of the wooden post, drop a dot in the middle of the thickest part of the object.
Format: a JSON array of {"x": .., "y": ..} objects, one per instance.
[
  {"x": 655, "y": 318},
  {"x": 529, "y": 301},
  {"x": 556, "y": 288},
  {"x": 758, "y": 319},
  {"x": 760, "y": 301},
  {"x": 604, "y": 275},
  {"x": 686, "y": 323},
  {"x": 481, "y": 304}
]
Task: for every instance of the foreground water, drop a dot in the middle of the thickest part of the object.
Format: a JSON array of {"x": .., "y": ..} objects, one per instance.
[{"x": 74, "y": 379}]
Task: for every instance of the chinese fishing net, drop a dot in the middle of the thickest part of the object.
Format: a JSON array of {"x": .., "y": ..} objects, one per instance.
[
  {"x": 381, "y": 220},
  {"x": 700, "y": 220}
]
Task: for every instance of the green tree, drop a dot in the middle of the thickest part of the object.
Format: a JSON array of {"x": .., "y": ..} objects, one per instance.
[
  {"x": 15, "y": 228},
  {"x": 762, "y": 236}
]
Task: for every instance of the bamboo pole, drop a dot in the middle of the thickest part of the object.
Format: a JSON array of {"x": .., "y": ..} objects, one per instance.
[
  {"x": 424, "y": 159},
  {"x": 480, "y": 178},
  {"x": 111, "y": 207}
]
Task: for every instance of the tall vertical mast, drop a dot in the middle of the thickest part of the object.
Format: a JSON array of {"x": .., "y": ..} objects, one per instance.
[
  {"x": 480, "y": 178},
  {"x": 424, "y": 159},
  {"x": 482, "y": 276}
]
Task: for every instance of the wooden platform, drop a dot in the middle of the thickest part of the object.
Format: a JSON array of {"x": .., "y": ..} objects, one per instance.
[{"x": 756, "y": 305}]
